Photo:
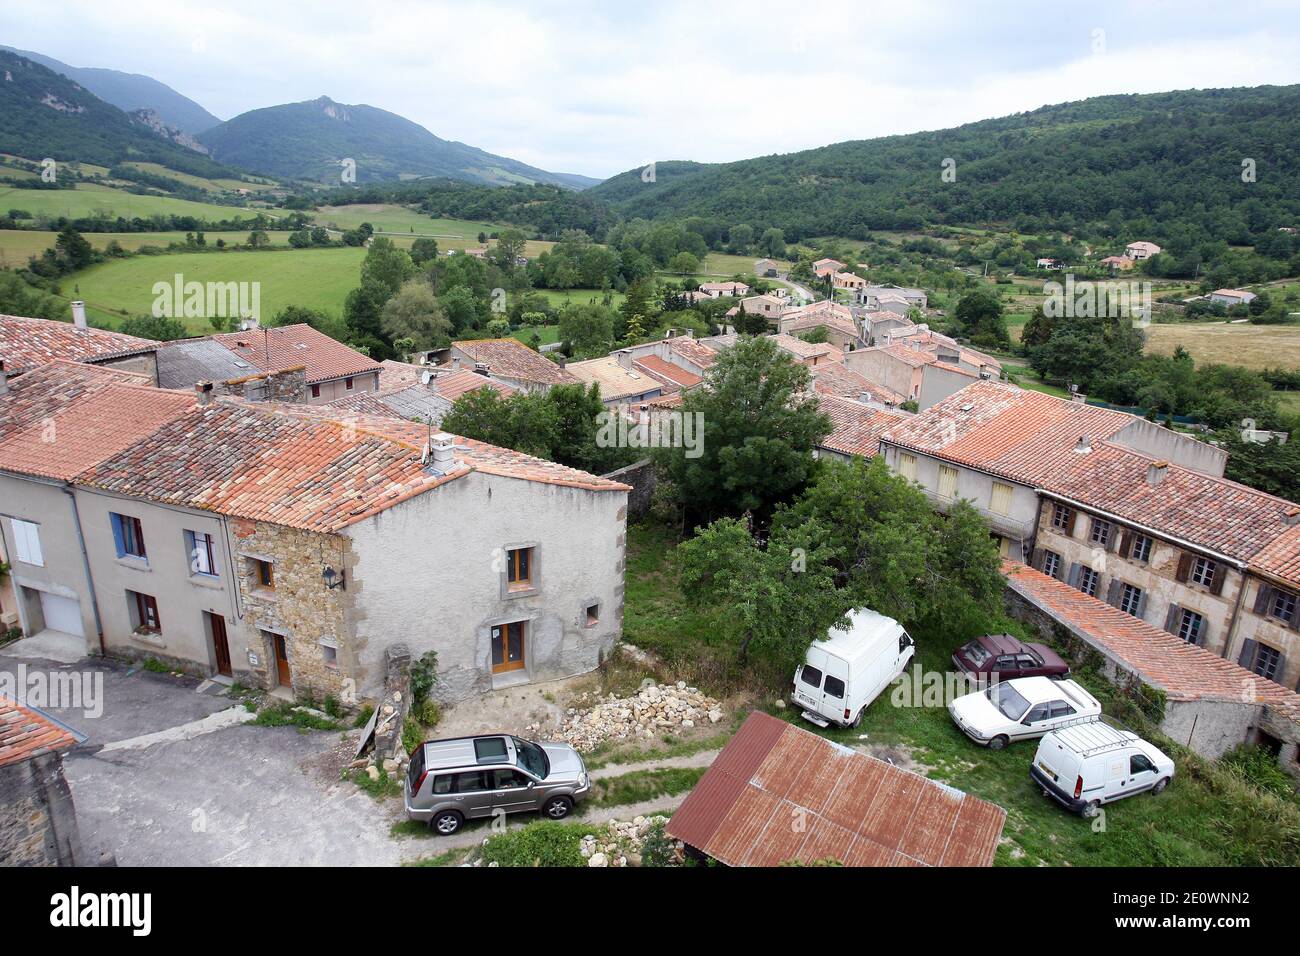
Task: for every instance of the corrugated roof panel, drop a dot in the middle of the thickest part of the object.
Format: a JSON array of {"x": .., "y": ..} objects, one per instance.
[
  {"x": 781, "y": 839},
  {"x": 826, "y": 841},
  {"x": 975, "y": 834},
  {"x": 704, "y": 809},
  {"x": 891, "y": 806},
  {"x": 930, "y": 827},
  {"x": 784, "y": 764},
  {"x": 853, "y": 795},
  {"x": 816, "y": 783},
  {"x": 745, "y": 751},
  {"x": 740, "y": 830}
]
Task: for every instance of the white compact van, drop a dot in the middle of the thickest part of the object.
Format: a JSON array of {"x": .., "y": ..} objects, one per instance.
[
  {"x": 1090, "y": 763},
  {"x": 844, "y": 673}
]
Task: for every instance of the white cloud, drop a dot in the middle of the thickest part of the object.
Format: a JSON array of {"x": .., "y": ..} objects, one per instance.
[{"x": 598, "y": 88}]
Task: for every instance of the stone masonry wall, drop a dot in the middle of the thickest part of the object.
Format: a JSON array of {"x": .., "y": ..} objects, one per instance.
[
  {"x": 38, "y": 825},
  {"x": 641, "y": 475},
  {"x": 300, "y": 607}
]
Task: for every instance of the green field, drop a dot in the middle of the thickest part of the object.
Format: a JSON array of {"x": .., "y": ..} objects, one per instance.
[
  {"x": 388, "y": 217},
  {"x": 17, "y": 244},
  {"x": 314, "y": 278},
  {"x": 91, "y": 199},
  {"x": 546, "y": 333}
]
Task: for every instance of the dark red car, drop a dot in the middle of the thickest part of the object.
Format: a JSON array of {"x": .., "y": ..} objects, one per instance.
[{"x": 1002, "y": 657}]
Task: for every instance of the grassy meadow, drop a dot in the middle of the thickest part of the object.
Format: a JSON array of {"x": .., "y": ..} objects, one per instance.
[
  {"x": 92, "y": 199},
  {"x": 1253, "y": 346}
]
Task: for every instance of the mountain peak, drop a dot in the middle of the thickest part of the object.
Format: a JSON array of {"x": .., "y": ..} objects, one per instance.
[{"x": 331, "y": 109}]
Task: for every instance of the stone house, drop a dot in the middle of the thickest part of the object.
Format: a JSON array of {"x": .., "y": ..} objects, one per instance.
[
  {"x": 38, "y": 822},
  {"x": 1141, "y": 250},
  {"x": 27, "y": 343},
  {"x": 509, "y": 361},
  {"x": 911, "y": 371}
]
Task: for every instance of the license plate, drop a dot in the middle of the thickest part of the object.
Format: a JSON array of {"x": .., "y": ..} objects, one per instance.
[{"x": 1047, "y": 770}]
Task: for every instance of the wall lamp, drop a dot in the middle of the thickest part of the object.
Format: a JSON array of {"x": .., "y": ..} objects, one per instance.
[{"x": 334, "y": 579}]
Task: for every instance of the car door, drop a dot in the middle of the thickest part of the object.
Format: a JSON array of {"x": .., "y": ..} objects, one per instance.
[
  {"x": 1028, "y": 666},
  {"x": 512, "y": 790},
  {"x": 473, "y": 793},
  {"x": 1139, "y": 774},
  {"x": 1035, "y": 723},
  {"x": 1060, "y": 711}
]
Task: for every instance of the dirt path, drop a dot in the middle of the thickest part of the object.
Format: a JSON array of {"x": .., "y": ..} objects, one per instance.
[{"x": 702, "y": 759}]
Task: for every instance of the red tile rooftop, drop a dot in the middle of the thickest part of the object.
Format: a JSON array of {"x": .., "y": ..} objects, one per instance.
[
  {"x": 510, "y": 358},
  {"x": 26, "y": 733},
  {"x": 858, "y": 427},
  {"x": 28, "y": 343},
  {"x": 291, "y": 346}
]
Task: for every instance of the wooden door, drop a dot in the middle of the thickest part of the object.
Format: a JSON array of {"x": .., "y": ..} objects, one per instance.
[
  {"x": 282, "y": 661},
  {"x": 508, "y": 647},
  {"x": 220, "y": 645}
]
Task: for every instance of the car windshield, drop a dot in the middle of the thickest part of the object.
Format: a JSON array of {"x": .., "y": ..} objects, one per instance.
[
  {"x": 977, "y": 653},
  {"x": 532, "y": 758},
  {"x": 1005, "y": 699}
]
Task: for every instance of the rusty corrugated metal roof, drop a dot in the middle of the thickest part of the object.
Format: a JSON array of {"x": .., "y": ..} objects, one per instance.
[{"x": 778, "y": 793}]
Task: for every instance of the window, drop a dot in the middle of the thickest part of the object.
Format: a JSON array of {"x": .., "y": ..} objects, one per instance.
[
  {"x": 128, "y": 536},
  {"x": 203, "y": 553},
  {"x": 27, "y": 542},
  {"x": 329, "y": 652},
  {"x": 1063, "y": 518},
  {"x": 1051, "y": 564},
  {"x": 1101, "y": 531},
  {"x": 1037, "y": 712},
  {"x": 519, "y": 572},
  {"x": 508, "y": 646},
  {"x": 443, "y": 783},
  {"x": 1141, "y": 548},
  {"x": 1140, "y": 764},
  {"x": 947, "y": 481},
  {"x": 506, "y": 779},
  {"x": 1203, "y": 572},
  {"x": 261, "y": 573},
  {"x": 1061, "y": 709},
  {"x": 811, "y": 676},
  {"x": 315, "y": 393},
  {"x": 593, "y": 615},
  {"x": 1130, "y": 600},
  {"x": 907, "y": 466},
  {"x": 472, "y": 781},
  {"x": 1283, "y": 606},
  {"x": 1190, "y": 625},
  {"x": 144, "y": 612},
  {"x": 1000, "y": 500},
  {"x": 1088, "y": 579},
  {"x": 490, "y": 750},
  {"x": 834, "y": 686},
  {"x": 1267, "y": 661},
  {"x": 348, "y": 383}
]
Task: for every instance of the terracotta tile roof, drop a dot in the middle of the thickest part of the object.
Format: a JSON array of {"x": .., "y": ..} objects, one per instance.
[
  {"x": 510, "y": 358},
  {"x": 801, "y": 320},
  {"x": 63, "y": 418},
  {"x": 851, "y": 807},
  {"x": 836, "y": 378},
  {"x": 671, "y": 375},
  {"x": 303, "y": 466},
  {"x": 1281, "y": 559},
  {"x": 27, "y": 343},
  {"x": 289, "y": 346},
  {"x": 1183, "y": 671},
  {"x": 395, "y": 375},
  {"x": 614, "y": 380},
  {"x": 26, "y": 733},
  {"x": 692, "y": 351},
  {"x": 858, "y": 427},
  {"x": 804, "y": 350}
]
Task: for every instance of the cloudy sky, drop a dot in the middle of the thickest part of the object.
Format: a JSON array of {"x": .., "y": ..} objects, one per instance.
[{"x": 599, "y": 87}]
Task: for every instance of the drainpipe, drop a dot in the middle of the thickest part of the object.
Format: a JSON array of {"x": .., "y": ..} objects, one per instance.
[
  {"x": 1033, "y": 538},
  {"x": 1231, "y": 636},
  {"x": 85, "y": 562}
]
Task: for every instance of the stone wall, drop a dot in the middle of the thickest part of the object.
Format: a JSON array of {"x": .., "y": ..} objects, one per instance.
[
  {"x": 38, "y": 824},
  {"x": 286, "y": 385},
  {"x": 642, "y": 476},
  {"x": 309, "y": 615}
]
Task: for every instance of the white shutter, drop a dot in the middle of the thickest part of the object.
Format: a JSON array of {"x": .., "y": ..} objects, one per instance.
[{"x": 27, "y": 542}]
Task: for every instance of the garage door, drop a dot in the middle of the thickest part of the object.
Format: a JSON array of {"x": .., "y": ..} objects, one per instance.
[{"x": 61, "y": 614}]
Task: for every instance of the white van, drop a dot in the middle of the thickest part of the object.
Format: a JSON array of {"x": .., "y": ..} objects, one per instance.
[
  {"x": 1090, "y": 763},
  {"x": 844, "y": 673}
]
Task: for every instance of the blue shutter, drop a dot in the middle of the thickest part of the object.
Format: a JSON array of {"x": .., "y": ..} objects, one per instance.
[
  {"x": 118, "y": 538},
  {"x": 189, "y": 551}
]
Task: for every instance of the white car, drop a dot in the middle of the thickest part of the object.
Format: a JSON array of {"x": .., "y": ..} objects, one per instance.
[
  {"x": 1021, "y": 709},
  {"x": 1085, "y": 765}
]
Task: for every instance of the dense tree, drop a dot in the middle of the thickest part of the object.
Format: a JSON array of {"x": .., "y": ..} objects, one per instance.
[
  {"x": 158, "y": 328},
  {"x": 415, "y": 316},
  {"x": 979, "y": 317},
  {"x": 586, "y": 330}
]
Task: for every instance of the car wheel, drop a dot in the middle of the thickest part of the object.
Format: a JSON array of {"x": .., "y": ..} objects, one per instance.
[
  {"x": 998, "y": 742},
  {"x": 1160, "y": 785},
  {"x": 557, "y": 808},
  {"x": 1091, "y": 810},
  {"x": 446, "y": 823}
]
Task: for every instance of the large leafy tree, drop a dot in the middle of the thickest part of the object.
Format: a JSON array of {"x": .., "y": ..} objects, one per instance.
[
  {"x": 758, "y": 434},
  {"x": 414, "y": 315}
]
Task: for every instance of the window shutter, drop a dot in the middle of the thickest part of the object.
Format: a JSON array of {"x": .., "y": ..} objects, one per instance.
[
  {"x": 1171, "y": 618},
  {"x": 1142, "y": 605},
  {"x": 1126, "y": 543},
  {"x": 1203, "y": 632},
  {"x": 1113, "y": 592},
  {"x": 1263, "y": 599},
  {"x": 1184, "y": 567},
  {"x": 1247, "y": 658},
  {"x": 118, "y": 539},
  {"x": 1071, "y": 522},
  {"x": 1038, "y": 559},
  {"x": 1220, "y": 575},
  {"x": 1073, "y": 579}
]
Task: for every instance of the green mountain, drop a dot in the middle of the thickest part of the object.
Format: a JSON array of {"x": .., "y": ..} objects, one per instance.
[
  {"x": 1135, "y": 160},
  {"x": 43, "y": 113},
  {"x": 130, "y": 92},
  {"x": 309, "y": 140}
]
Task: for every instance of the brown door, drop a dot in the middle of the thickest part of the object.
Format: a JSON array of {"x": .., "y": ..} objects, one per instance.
[
  {"x": 508, "y": 647},
  {"x": 220, "y": 645},
  {"x": 282, "y": 661}
]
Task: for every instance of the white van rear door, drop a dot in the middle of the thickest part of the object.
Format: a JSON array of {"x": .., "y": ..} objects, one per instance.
[{"x": 808, "y": 681}]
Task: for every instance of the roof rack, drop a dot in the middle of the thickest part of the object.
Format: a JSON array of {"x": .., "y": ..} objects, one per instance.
[{"x": 1099, "y": 719}]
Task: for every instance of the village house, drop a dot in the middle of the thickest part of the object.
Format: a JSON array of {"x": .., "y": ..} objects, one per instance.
[
  {"x": 1232, "y": 297},
  {"x": 943, "y": 347},
  {"x": 419, "y": 393},
  {"x": 857, "y": 427},
  {"x": 892, "y": 298},
  {"x": 876, "y": 324},
  {"x": 769, "y": 306},
  {"x": 847, "y": 280},
  {"x": 1044, "y": 263},
  {"x": 824, "y": 267},
  {"x": 1141, "y": 250},
  {"x": 509, "y": 361},
  {"x": 715, "y": 290},
  {"x": 765, "y": 268},
  {"x": 1122, "y": 509},
  {"x": 1120, "y": 263},
  {"x": 836, "y": 378},
  {"x": 294, "y": 363},
  {"x": 287, "y": 546},
  {"x": 837, "y": 320},
  {"x": 919, "y": 375},
  {"x": 26, "y": 344}
]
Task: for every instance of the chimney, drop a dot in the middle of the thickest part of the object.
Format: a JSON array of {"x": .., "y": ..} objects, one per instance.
[
  {"x": 481, "y": 368},
  {"x": 1079, "y": 397},
  {"x": 1084, "y": 445},
  {"x": 203, "y": 392},
  {"x": 441, "y": 452},
  {"x": 455, "y": 361},
  {"x": 561, "y": 361},
  {"x": 79, "y": 313},
  {"x": 1291, "y": 517},
  {"x": 4, "y": 380},
  {"x": 1156, "y": 472}
]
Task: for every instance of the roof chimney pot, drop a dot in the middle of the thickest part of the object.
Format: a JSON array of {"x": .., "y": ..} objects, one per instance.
[
  {"x": 79, "y": 313},
  {"x": 1291, "y": 517},
  {"x": 1156, "y": 472},
  {"x": 1084, "y": 445},
  {"x": 203, "y": 392},
  {"x": 4, "y": 379}
]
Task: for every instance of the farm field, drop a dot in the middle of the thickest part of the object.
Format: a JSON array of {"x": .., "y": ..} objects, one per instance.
[
  {"x": 546, "y": 334},
  {"x": 390, "y": 217},
  {"x": 90, "y": 199},
  {"x": 313, "y": 278},
  {"x": 1253, "y": 346},
  {"x": 559, "y": 297},
  {"x": 17, "y": 244},
  {"x": 201, "y": 182}
]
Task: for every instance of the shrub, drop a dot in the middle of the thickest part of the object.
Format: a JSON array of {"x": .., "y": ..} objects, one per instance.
[
  {"x": 364, "y": 715},
  {"x": 1258, "y": 765},
  {"x": 424, "y": 674},
  {"x": 538, "y": 844}
]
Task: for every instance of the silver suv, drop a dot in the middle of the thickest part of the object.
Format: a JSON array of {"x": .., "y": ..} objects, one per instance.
[{"x": 450, "y": 781}]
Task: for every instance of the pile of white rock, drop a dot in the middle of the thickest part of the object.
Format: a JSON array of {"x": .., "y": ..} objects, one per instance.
[
  {"x": 620, "y": 842},
  {"x": 656, "y": 709}
]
